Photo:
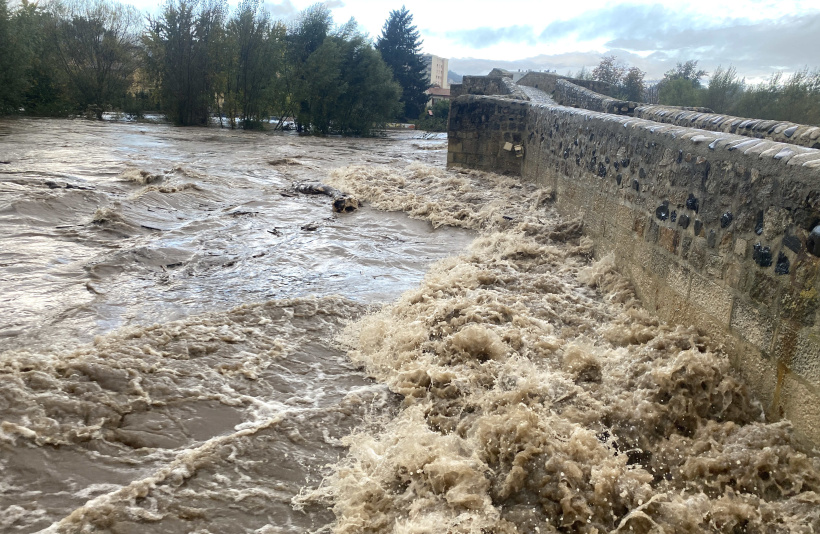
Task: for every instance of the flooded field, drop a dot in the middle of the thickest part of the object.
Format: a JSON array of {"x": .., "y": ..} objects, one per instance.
[{"x": 188, "y": 345}]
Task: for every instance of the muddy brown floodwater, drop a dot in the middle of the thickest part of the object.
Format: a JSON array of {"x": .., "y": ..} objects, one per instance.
[
  {"x": 186, "y": 347},
  {"x": 168, "y": 307}
]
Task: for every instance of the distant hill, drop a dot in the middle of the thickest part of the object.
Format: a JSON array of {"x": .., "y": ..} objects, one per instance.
[{"x": 453, "y": 77}]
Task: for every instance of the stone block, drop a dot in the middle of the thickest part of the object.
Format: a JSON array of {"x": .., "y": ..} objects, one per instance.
[
  {"x": 679, "y": 279},
  {"x": 799, "y": 349},
  {"x": 669, "y": 239},
  {"x": 714, "y": 265},
  {"x": 711, "y": 299},
  {"x": 753, "y": 325},
  {"x": 740, "y": 247},
  {"x": 764, "y": 288},
  {"x": 800, "y": 403},
  {"x": 697, "y": 253}
]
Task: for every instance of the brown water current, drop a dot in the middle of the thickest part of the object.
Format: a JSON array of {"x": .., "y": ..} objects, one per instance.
[
  {"x": 188, "y": 346},
  {"x": 540, "y": 397},
  {"x": 168, "y": 308}
]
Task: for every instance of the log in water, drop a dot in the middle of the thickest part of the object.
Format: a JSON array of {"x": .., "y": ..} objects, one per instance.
[{"x": 191, "y": 348}]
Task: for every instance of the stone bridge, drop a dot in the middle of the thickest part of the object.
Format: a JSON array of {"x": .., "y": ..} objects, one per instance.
[{"x": 717, "y": 226}]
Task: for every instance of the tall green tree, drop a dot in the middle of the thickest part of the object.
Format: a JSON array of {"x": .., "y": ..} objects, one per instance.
[
  {"x": 12, "y": 69},
  {"x": 183, "y": 52},
  {"x": 29, "y": 74},
  {"x": 371, "y": 96},
  {"x": 253, "y": 64},
  {"x": 96, "y": 43},
  {"x": 609, "y": 70},
  {"x": 678, "y": 92},
  {"x": 723, "y": 91},
  {"x": 681, "y": 86},
  {"x": 633, "y": 87},
  {"x": 688, "y": 70},
  {"x": 305, "y": 36},
  {"x": 400, "y": 47}
]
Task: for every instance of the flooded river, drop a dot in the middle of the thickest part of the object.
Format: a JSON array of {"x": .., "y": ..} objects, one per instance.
[{"x": 189, "y": 346}]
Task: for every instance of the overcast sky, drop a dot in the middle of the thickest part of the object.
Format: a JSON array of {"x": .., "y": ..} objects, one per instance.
[{"x": 758, "y": 37}]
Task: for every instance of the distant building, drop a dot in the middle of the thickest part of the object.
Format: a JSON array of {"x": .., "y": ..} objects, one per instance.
[
  {"x": 437, "y": 68},
  {"x": 436, "y": 94}
]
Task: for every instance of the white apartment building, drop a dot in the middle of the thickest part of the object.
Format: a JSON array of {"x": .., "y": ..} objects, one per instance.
[{"x": 437, "y": 68}]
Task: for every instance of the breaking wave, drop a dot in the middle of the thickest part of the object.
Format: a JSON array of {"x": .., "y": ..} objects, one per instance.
[{"x": 540, "y": 397}]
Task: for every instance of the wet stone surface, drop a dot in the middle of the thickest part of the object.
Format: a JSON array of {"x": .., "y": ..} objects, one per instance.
[
  {"x": 782, "y": 266},
  {"x": 762, "y": 255}
]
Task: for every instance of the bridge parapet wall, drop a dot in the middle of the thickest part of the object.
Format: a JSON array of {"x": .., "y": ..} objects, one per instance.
[
  {"x": 570, "y": 94},
  {"x": 714, "y": 230},
  {"x": 545, "y": 81},
  {"x": 781, "y": 131},
  {"x": 488, "y": 85}
]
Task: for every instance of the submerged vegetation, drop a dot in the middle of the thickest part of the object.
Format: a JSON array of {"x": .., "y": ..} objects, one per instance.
[{"x": 200, "y": 59}]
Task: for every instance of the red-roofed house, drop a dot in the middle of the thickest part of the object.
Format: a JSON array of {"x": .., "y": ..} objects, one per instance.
[{"x": 436, "y": 94}]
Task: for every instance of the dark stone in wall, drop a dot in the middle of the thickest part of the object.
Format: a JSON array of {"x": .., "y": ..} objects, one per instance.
[
  {"x": 762, "y": 255},
  {"x": 641, "y": 173},
  {"x": 698, "y": 226},
  {"x": 759, "y": 223},
  {"x": 813, "y": 242},
  {"x": 602, "y": 170},
  {"x": 674, "y": 216},
  {"x": 662, "y": 211},
  {"x": 636, "y": 185},
  {"x": 683, "y": 221},
  {"x": 792, "y": 243},
  {"x": 711, "y": 239},
  {"x": 618, "y": 178},
  {"x": 726, "y": 219},
  {"x": 685, "y": 244},
  {"x": 693, "y": 203},
  {"x": 703, "y": 167},
  {"x": 782, "y": 265},
  {"x": 652, "y": 233}
]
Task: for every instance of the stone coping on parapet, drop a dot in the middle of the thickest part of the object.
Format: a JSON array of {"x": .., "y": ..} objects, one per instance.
[
  {"x": 568, "y": 93},
  {"x": 781, "y": 131},
  {"x": 488, "y": 86},
  {"x": 779, "y": 152}
]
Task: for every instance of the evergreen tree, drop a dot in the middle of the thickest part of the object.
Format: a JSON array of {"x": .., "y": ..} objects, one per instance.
[
  {"x": 371, "y": 96},
  {"x": 400, "y": 47}
]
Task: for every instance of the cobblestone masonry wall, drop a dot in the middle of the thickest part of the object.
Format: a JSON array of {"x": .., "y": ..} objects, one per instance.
[{"x": 714, "y": 230}]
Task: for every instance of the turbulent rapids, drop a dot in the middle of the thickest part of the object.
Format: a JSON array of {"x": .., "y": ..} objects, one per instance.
[{"x": 189, "y": 346}]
